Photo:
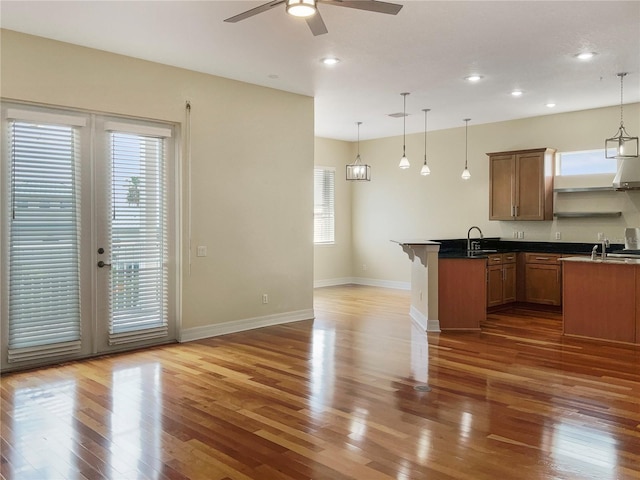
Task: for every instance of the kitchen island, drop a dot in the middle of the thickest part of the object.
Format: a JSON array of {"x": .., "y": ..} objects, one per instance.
[{"x": 601, "y": 298}]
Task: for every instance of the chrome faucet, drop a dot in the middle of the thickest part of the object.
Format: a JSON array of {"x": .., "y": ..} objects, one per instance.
[
  {"x": 603, "y": 254},
  {"x": 605, "y": 244},
  {"x": 469, "y": 237}
]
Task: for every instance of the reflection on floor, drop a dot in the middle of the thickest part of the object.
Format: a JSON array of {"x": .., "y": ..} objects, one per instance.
[{"x": 336, "y": 398}]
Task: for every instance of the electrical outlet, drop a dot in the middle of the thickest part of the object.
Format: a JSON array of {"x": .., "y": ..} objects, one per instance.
[
  {"x": 558, "y": 235},
  {"x": 201, "y": 251},
  {"x": 515, "y": 234},
  {"x": 265, "y": 298},
  {"x": 520, "y": 234},
  {"x": 600, "y": 236}
]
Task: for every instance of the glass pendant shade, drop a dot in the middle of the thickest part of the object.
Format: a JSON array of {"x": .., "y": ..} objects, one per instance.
[
  {"x": 621, "y": 145},
  {"x": 425, "y": 169},
  {"x": 404, "y": 161},
  {"x": 301, "y": 8},
  {"x": 466, "y": 174},
  {"x": 358, "y": 171}
]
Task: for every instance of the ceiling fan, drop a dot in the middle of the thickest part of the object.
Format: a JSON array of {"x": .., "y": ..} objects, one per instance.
[{"x": 309, "y": 11}]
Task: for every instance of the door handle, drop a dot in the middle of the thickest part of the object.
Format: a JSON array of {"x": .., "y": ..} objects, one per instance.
[{"x": 101, "y": 264}]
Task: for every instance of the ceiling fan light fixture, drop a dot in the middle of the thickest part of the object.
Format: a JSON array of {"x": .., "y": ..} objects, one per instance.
[
  {"x": 621, "y": 145},
  {"x": 301, "y": 8}
]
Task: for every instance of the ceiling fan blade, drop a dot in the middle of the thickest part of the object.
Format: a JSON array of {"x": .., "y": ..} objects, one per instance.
[
  {"x": 254, "y": 11},
  {"x": 316, "y": 24},
  {"x": 370, "y": 5}
]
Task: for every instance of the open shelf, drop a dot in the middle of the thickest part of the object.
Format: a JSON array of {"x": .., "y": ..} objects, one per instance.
[
  {"x": 584, "y": 189},
  {"x": 587, "y": 214}
]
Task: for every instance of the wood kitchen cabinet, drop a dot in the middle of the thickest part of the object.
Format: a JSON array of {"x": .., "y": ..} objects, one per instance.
[
  {"x": 543, "y": 278},
  {"x": 462, "y": 293},
  {"x": 501, "y": 279},
  {"x": 521, "y": 184}
]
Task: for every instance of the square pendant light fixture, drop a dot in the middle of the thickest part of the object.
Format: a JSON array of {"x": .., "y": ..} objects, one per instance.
[
  {"x": 301, "y": 8},
  {"x": 358, "y": 171},
  {"x": 621, "y": 145}
]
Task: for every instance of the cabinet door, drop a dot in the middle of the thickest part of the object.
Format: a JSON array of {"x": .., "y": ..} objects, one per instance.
[
  {"x": 509, "y": 283},
  {"x": 542, "y": 284},
  {"x": 494, "y": 285},
  {"x": 530, "y": 186},
  {"x": 501, "y": 187}
]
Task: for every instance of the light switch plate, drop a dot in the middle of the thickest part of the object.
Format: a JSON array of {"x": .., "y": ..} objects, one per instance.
[{"x": 201, "y": 251}]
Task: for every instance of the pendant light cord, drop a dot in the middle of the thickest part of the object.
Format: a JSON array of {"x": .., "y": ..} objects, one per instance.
[
  {"x": 404, "y": 123},
  {"x": 466, "y": 142},
  {"x": 425, "y": 134},
  {"x": 621, "y": 75}
]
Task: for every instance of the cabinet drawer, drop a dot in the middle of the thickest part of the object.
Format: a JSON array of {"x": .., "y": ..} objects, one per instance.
[
  {"x": 494, "y": 259},
  {"x": 508, "y": 258},
  {"x": 545, "y": 258}
]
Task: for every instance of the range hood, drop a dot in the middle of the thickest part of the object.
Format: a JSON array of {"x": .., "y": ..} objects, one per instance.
[{"x": 628, "y": 176}]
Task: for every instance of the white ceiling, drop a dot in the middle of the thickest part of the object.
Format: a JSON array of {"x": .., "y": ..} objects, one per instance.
[{"x": 427, "y": 50}]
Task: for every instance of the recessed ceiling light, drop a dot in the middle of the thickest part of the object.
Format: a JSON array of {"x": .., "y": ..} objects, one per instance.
[
  {"x": 585, "y": 55},
  {"x": 517, "y": 93},
  {"x": 330, "y": 60},
  {"x": 473, "y": 78},
  {"x": 550, "y": 105}
]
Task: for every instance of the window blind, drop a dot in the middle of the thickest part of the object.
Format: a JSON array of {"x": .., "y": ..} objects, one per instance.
[
  {"x": 44, "y": 239},
  {"x": 323, "y": 208},
  {"x": 139, "y": 277}
]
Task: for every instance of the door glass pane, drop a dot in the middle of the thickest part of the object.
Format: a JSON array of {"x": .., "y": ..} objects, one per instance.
[
  {"x": 44, "y": 238},
  {"x": 138, "y": 283}
]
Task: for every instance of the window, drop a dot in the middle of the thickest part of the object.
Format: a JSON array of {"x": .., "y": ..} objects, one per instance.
[
  {"x": 44, "y": 238},
  {"x": 585, "y": 163},
  {"x": 323, "y": 205}
]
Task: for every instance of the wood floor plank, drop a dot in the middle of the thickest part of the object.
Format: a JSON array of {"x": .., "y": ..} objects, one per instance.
[{"x": 335, "y": 399}]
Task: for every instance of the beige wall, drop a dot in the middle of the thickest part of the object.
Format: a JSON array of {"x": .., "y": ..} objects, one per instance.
[
  {"x": 252, "y": 170},
  {"x": 401, "y": 204},
  {"x": 332, "y": 263}
]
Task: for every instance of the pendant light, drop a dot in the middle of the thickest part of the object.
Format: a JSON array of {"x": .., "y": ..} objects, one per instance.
[
  {"x": 404, "y": 161},
  {"x": 424, "y": 171},
  {"x": 301, "y": 8},
  {"x": 621, "y": 145},
  {"x": 466, "y": 174},
  {"x": 357, "y": 171}
]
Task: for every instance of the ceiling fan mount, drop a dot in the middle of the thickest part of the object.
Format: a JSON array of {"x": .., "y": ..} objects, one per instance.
[{"x": 311, "y": 13}]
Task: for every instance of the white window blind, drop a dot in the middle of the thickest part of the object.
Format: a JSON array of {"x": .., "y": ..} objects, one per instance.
[
  {"x": 323, "y": 205},
  {"x": 44, "y": 238},
  {"x": 139, "y": 277}
]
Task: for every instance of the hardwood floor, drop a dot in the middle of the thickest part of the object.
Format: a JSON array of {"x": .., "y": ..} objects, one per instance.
[{"x": 335, "y": 398}]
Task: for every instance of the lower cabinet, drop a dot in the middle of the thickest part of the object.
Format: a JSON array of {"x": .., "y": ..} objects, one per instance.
[
  {"x": 543, "y": 279},
  {"x": 501, "y": 279},
  {"x": 461, "y": 293}
]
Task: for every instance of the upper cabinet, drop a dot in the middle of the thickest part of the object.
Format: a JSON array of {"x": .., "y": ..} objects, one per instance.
[{"x": 521, "y": 184}]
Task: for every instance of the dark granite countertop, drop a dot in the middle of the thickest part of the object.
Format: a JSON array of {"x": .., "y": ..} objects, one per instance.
[{"x": 457, "y": 248}]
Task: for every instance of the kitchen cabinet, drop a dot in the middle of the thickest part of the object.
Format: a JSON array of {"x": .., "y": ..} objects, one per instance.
[
  {"x": 521, "y": 184},
  {"x": 462, "y": 293},
  {"x": 601, "y": 300},
  {"x": 543, "y": 282},
  {"x": 501, "y": 279}
]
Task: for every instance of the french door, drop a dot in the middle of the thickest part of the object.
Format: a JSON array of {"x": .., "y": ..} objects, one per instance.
[{"x": 88, "y": 235}]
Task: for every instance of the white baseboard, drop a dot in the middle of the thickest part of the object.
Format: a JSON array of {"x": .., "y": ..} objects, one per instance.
[
  {"x": 374, "y": 282},
  {"x": 197, "y": 333},
  {"x": 370, "y": 282},
  {"x": 422, "y": 322},
  {"x": 332, "y": 282}
]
